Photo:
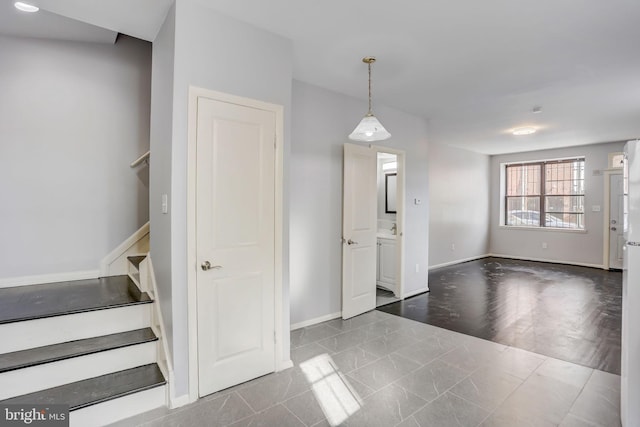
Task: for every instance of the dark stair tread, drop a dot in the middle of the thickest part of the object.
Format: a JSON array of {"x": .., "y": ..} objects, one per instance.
[
  {"x": 56, "y": 299},
  {"x": 96, "y": 390},
  {"x": 136, "y": 260},
  {"x": 67, "y": 350}
]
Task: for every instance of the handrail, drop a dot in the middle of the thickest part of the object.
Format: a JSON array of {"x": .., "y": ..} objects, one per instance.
[{"x": 144, "y": 158}]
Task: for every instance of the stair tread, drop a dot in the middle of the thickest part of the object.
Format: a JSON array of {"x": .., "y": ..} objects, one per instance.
[
  {"x": 96, "y": 390},
  {"x": 136, "y": 260},
  {"x": 52, "y": 353},
  {"x": 56, "y": 299}
]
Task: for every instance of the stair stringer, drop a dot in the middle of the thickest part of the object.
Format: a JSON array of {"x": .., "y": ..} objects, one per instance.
[
  {"x": 164, "y": 361},
  {"x": 115, "y": 263}
]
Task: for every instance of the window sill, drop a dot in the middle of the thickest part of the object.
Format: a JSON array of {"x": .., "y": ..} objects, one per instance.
[{"x": 546, "y": 229}]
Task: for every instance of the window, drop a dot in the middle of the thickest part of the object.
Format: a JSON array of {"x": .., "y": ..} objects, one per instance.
[{"x": 545, "y": 194}]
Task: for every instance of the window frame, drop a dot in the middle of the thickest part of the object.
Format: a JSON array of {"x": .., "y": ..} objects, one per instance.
[{"x": 542, "y": 195}]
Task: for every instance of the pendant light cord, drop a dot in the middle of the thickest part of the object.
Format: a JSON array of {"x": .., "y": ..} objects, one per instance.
[{"x": 370, "y": 113}]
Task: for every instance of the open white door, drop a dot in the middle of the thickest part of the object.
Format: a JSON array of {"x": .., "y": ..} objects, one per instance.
[
  {"x": 235, "y": 243},
  {"x": 359, "y": 226},
  {"x": 616, "y": 232}
]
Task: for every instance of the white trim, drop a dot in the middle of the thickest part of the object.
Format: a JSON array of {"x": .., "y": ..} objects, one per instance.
[
  {"x": 417, "y": 292},
  {"x": 286, "y": 365},
  {"x": 316, "y": 320},
  {"x": 552, "y": 261},
  {"x": 114, "y": 263},
  {"x": 458, "y": 261},
  {"x": 164, "y": 360},
  {"x": 281, "y": 354},
  {"x": 180, "y": 401},
  {"x": 10, "y": 282},
  {"x": 545, "y": 229}
]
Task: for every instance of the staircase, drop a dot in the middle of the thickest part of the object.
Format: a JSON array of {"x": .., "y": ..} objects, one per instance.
[{"x": 89, "y": 344}]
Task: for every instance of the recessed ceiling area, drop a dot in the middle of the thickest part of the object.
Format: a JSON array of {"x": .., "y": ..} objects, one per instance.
[{"x": 474, "y": 70}]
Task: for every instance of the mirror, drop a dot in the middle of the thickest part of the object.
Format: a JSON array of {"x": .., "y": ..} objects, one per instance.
[{"x": 390, "y": 193}]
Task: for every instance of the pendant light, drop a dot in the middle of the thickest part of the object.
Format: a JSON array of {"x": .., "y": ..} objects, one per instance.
[{"x": 369, "y": 129}]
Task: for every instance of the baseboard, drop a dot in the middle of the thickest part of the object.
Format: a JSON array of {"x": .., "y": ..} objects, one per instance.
[
  {"x": 115, "y": 262},
  {"x": 10, "y": 282},
  {"x": 179, "y": 401},
  {"x": 315, "y": 321},
  {"x": 285, "y": 364},
  {"x": 458, "y": 261},
  {"x": 552, "y": 261},
  {"x": 416, "y": 292}
]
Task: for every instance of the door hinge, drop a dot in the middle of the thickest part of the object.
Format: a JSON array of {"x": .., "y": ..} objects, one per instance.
[{"x": 274, "y": 337}]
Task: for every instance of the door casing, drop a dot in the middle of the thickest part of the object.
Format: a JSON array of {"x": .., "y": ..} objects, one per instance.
[{"x": 281, "y": 344}]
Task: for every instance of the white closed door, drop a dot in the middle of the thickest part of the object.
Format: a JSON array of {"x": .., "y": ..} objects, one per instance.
[
  {"x": 235, "y": 243},
  {"x": 359, "y": 229},
  {"x": 616, "y": 226}
]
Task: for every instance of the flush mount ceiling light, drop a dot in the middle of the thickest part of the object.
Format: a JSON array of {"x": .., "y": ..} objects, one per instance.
[
  {"x": 369, "y": 129},
  {"x": 25, "y": 7},
  {"x": 524, "y": 131}
]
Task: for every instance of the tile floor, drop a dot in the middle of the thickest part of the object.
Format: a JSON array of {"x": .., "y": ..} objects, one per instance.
[{"x": 382, "y": 370}]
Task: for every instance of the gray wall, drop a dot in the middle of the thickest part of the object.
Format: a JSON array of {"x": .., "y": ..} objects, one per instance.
[
  {"x": 459, "y": 195},
  {"x": 562, "y": 246},
  {"x": 316, "y": 195},
  {"x": 214, "y": 52},
  {"x": 72, "y": 117},
  {"x": 160, "y": 168}
]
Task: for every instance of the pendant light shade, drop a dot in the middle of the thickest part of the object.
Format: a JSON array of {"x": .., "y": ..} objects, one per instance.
[{"x": 369, "y": 129}]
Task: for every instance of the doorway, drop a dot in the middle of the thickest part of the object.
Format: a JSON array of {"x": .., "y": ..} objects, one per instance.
[
  {"x": 234, "y": 240},
  {"x": 365, "y": 193},
  {"x": 386, "y": 269}
]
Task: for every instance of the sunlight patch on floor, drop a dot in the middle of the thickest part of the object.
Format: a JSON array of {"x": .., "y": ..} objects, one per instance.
[{"x": 334, "y": 394}]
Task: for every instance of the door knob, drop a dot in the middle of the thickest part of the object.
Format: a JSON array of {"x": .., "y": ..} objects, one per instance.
[
  {"x": 207, "y": 266},
  {"x": 613, "y": 221},
  {"x": 613, "y": 229},
  {"x": 351, "y": 242}
]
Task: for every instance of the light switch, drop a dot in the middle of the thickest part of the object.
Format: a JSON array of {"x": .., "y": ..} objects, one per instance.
[{"x": 165, "y": 204}]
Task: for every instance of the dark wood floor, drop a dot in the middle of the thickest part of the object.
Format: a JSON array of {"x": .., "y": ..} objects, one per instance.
[{"x": 567, "y": 312}]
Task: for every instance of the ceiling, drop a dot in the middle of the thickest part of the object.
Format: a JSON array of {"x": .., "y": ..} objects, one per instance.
[{"x": 474, "y": 70}]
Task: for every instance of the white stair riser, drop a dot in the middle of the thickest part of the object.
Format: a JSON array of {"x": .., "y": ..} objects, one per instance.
[
  {"x": 28, "y": 334},
  {"x": 48, "y": 375},
  {"x": 119, "y": 409}
]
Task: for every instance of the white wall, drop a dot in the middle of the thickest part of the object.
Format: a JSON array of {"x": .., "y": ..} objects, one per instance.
[
  {"x": 563, "y": 246},
  {"x": 72, "y": 117},
  {"x": 459, "y": 195},
  {"x": 214, "y": 52},
  {"x": 316, "y": 195},
  {"x": 160, "y": 168}
]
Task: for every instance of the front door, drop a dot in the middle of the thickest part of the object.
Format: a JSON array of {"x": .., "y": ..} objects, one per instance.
[
  {"x": 616, "y": 232},
  {"x": 359, "y": 227},
  {"x": 235, "y": 188}
]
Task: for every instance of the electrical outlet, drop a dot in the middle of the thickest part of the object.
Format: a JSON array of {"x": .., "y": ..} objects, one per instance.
[
  {"x": 453, "y": 246},
  {"x": 417, "y": 268},
  {"x": 544, "y": 245}
]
